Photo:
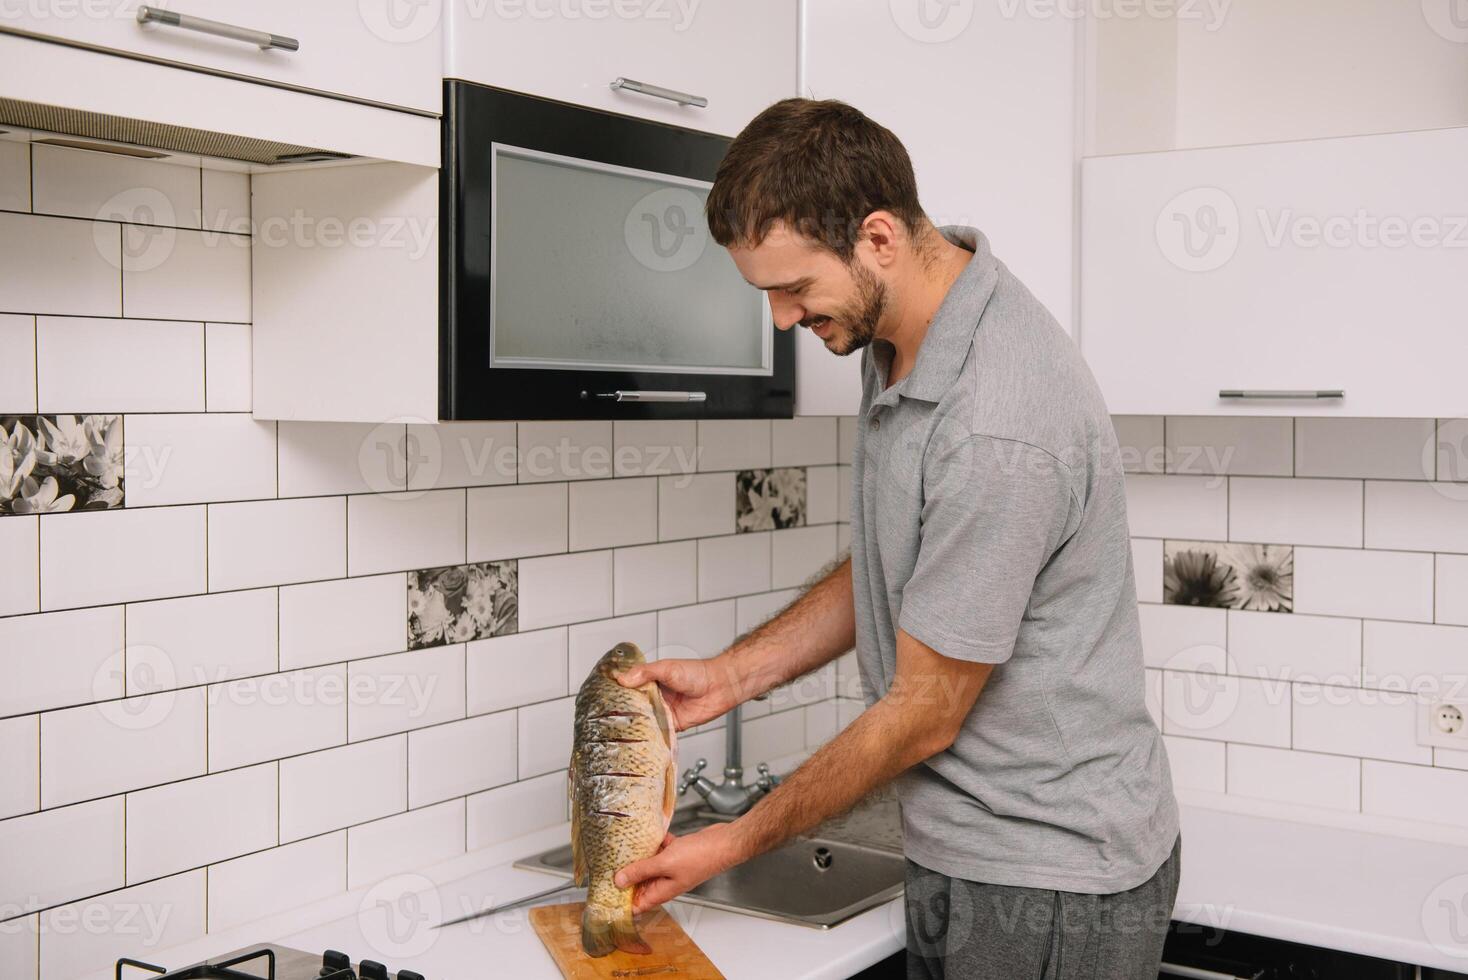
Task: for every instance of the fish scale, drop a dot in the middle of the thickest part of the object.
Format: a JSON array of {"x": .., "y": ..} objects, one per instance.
[{"x": 621, "y": 782}]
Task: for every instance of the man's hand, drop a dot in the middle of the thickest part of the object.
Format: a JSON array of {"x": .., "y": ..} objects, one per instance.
[
  {"x": 682, "y": 863},
  {"x": 695, "y": 691}
]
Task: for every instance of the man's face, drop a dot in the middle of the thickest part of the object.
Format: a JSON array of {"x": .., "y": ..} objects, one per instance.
[{"x": 840, "y": 303}]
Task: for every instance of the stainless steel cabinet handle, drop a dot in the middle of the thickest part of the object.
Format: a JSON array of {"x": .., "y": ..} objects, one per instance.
[
  {"x": 654, "y": 396},
  {"x": 1196, "y": 973},
  {"x": 1281, "y": 393},
  {"x": 658, "y": 92},
  {"x": 263, "y": 39}
]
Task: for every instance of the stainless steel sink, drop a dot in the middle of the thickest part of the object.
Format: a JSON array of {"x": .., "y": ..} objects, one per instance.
[{"x": 815, "y": 881}]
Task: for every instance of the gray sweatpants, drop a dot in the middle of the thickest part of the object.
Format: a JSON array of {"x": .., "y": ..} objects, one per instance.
[{"x": 974, "y": 931}]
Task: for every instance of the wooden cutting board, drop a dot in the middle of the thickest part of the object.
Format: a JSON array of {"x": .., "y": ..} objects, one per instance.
[{"x": 674, "y": 956}]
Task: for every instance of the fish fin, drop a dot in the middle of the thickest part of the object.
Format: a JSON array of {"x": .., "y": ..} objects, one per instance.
[
  {"x": 663, "y": 716},
  {"x": 670, "y": 736},
  {"x": 604, "y": 930}
]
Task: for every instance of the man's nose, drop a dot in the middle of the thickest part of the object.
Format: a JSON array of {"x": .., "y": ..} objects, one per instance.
[{"x": 785, "y": 313}]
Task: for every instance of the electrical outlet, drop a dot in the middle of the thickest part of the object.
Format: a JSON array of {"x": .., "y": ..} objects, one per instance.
[{"x": 1442, "y": 723}]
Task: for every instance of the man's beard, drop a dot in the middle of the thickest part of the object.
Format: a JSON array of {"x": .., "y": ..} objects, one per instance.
[{"x": 859, "y": 320}]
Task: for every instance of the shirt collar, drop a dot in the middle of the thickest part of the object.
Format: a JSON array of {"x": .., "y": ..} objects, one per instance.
[{"x": 945, "y": 346}]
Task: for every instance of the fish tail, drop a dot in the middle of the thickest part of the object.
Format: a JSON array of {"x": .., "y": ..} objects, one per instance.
[{"x": 603, "y": 930}]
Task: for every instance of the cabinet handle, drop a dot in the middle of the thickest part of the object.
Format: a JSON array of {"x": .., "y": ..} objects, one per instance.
[
  {"x": 658, "y": 92},
  {"x": 1197, "y": 973},
  {"x": 652, "y": 396},
  {"x": 1277, "y": 393},
  {"x": 262, "y": 39}
]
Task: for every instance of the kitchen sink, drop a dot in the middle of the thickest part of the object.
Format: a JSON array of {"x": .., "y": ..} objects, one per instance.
[{"x": 816, "y": 881}]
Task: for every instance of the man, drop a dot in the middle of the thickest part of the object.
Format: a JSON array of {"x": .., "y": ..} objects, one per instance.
[{"x": 989, "y": 592}]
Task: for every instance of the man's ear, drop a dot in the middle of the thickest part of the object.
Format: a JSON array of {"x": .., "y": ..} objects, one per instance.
[{"x": 884, "y": 234}]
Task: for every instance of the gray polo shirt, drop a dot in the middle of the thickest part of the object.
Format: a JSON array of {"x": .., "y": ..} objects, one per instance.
[{"x": 989, "y": 522}]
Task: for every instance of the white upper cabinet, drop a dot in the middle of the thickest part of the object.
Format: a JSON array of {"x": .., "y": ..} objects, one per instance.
[
  {"x": 983, "y": 97},
  {"x": 738, "y": 55},
  {"x": 377, "y": 50},
  {"x": 1322, "y": 265}
]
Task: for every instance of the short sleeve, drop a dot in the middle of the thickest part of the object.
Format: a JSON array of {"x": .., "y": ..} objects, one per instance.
[{"x": 994, "y": 512}]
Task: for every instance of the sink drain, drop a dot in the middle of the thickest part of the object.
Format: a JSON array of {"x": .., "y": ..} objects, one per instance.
[{"x": 821, "y": 858}]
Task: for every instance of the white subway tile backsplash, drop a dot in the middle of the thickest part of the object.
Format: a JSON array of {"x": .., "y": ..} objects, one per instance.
[
  {"x": 1147, "y": 567},
  {"x": 1193, "y": 507},
  {"x": 20, "y": 764},
  {"x": 733, "y": 444},
  {"x": 199, "y": 821},
  {"x": 405, "y": 842},
  {"x": 564, "y": 451},
  {"x": 1452, "y": 589},
  {"x": 18, "y": 941},
  {"x": 123, "y": 555},
  {"x": 516, "y": 521},
  {"x": 773, "y": 736},
  {"x": 273, "y": 542},
  {"x": 60, "y": 266},
  {"x": 201, "y": 639},
  {"x": 18, "y": 367},
  {"x": 15, "y": 176},
  {"x": 113, "y": 187},
  {"x": 226, "y": 200},
  {"x": 1417, "y": 516},
  {"x": 695, "y": 506},
  {"x": 344, "y": 619},
  {"x": 522, "y": 668},
  {"x": 1279, "y": 511},
  {"x": 589, "y": 641},
  {"x": 563, "y": 589},
  {"x": 94, "y": 365},
  {"x": 50, "y": 660},
  {"x": 58, "y": 855},
  {"x": 185, "y": 275},
  {"x": 1140, "y": 439},
  {"x": 1230, "y": 709},
  {"x": 461, "y": 757},
  {"x": 278, "y": 715},
  {"x": 808, "y": 441},
  {"x": 342, "y": 786},
  {"x": 655, "y": 576},
  {"x": 1350, "y": 721},
  {"x": 1196, "y": 763},
  {"x": 1415, "y": 657},
  {"x": 1414, "y": 792},
  {"x": 404, "y": 690},
  {"x": 610, "y": 513},
  {"x": 823, "y": 486},
  {"x": 247, "y": 888},
  {"x": 650, "y": 447},
  {"x": 227, "y": 376},
  {"x": 733, "y": 566},
  {"x": 798, "y": 554},
  {"x": 545, "y": 732},
  {"x": 1323, "y": 649},
  {"x": 703, "y": 630},
  {"x": 1372, "y": 584},
  {"x": 1373, "y": 449},
  {"x": 20, "y": 565},
  {"x": 389, "y": 531},
  {"x": 1184, "y": 637},
  {"x": 500, "y": 814},
  {"x": 101, "y": 749},
  {"x": 1225, "y": 445},
  {"x": 322, "y": 458},
  {"x": 460, "y": 454},
  {"x": 1305, "y": 778},
  {"x": 183, "y": 458},
  {"x": 88, "y": 937},
  {"x": 846, "y": 438},
  {"x": 820, "y": 723}
]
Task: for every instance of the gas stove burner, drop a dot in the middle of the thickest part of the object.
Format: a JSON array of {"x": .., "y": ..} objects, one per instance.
[{"x": 278, "y": 962}]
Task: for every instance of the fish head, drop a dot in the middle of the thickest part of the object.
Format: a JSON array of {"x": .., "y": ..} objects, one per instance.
[{"x": 621, "y": 657}]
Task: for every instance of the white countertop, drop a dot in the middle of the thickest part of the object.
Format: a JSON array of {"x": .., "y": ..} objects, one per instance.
[{"x": 1376, "y": 887}]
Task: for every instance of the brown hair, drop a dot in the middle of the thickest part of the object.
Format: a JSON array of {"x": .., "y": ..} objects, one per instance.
[{"x": 821, "y": 167}]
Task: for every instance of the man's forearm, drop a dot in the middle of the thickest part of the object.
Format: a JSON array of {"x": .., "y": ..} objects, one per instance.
[{"x": 816, "y": 628}]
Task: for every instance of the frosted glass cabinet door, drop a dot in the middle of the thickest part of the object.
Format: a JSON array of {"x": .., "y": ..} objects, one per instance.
[{"x": 599, "y": 267}]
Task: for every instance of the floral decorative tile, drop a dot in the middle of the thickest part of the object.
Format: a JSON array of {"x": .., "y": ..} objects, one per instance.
[
  {"x": 1229, "y": 576},
  {"x": 462, "y": 602},
  {"x": 767, "y": 500},
  {"x": 55, "y": 463}
]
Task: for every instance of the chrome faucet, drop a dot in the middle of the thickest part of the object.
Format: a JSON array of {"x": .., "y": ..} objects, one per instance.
[{"x": 731, "y": 796}]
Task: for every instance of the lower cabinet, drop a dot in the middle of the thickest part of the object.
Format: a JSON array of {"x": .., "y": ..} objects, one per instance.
[{"x": 1204, "y": 953}]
